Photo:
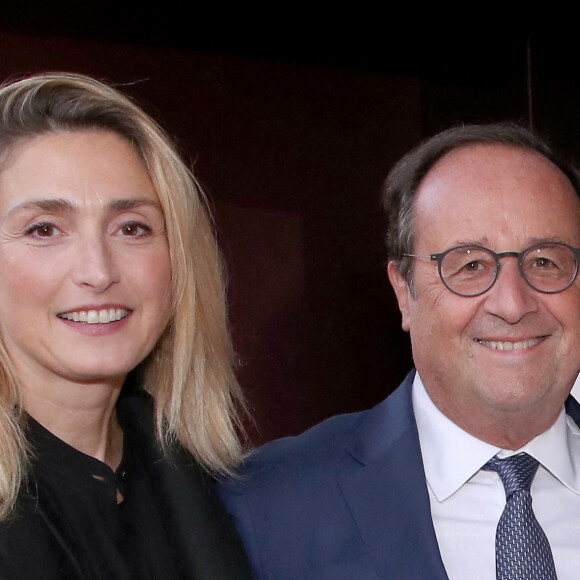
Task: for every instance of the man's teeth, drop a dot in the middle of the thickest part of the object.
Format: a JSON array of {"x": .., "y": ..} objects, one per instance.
[
  {"x": 504, "y": 345},
  {"x": 103, "y": 316}
]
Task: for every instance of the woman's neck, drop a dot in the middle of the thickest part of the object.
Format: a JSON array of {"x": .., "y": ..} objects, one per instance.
[{"x": 82, "y": 415}]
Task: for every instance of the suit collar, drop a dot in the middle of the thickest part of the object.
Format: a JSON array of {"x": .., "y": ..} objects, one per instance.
[
  {"x": 573, "y": 409},
  {"x": 383, "y": 481}
]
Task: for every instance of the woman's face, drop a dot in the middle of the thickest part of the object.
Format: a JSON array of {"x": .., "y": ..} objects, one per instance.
[{"x": 84, "y": 261}]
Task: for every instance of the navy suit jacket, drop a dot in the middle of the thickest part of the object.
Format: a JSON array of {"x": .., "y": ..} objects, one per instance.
[{"x": 345, "y": 500}]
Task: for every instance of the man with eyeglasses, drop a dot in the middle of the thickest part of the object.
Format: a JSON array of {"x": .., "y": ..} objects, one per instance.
[{"x": 471, "y": 468}]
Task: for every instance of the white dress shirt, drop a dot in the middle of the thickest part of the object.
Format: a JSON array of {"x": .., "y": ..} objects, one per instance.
[{"x": 466, "y": 503}]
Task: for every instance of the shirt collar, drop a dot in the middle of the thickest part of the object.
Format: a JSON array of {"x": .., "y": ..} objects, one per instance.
[{"x": 451, "y": 456}]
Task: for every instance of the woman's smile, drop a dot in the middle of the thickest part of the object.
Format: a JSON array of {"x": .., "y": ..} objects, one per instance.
[{"x": 96, "y": 316}]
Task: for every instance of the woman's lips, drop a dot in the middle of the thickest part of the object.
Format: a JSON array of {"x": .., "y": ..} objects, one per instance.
[{"x": 93, "y": 316}]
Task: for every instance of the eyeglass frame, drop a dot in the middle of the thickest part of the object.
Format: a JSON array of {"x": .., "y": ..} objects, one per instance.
[{"x": 519, "y": 255}]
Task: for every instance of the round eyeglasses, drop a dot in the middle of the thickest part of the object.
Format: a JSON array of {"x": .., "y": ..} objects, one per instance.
[{"x": 471, "y": 270}]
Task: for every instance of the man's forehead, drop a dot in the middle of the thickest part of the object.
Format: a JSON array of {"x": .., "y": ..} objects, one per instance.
[
  {"x": 486, "y": 167},
  {"x": 480, "y": 190},
  {"x": 474, "y": 155}
]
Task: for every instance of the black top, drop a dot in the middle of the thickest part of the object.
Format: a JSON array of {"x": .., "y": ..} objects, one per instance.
[
  {"x": 94, "y": 533},
  {"x": 69, "y": 523}
]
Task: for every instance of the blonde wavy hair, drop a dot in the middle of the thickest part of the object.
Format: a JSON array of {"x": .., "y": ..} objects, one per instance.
[{"x": 189, "y": 374}]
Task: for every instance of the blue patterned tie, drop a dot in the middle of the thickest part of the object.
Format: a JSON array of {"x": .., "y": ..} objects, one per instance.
[{"x": 522, "y": 551}]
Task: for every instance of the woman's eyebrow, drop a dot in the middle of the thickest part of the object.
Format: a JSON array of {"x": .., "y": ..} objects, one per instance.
[
  {"x": 50, "y": 205},
  {"x": 130, "y": 203},
  {"x": 65, "y": 205}
]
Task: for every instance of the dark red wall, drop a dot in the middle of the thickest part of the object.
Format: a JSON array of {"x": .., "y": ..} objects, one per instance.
[{"x": 293, "y": 158}]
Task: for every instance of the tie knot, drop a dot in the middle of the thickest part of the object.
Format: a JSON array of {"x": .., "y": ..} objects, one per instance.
[{"x": 516, "y": 472}]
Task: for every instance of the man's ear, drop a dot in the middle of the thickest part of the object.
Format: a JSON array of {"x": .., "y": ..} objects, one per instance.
[{"x": 402, "y": 292}]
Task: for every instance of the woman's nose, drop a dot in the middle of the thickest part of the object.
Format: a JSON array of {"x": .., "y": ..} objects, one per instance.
[{"x": 95, "y": 264}]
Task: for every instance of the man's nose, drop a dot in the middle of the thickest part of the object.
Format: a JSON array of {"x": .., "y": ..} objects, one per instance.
[{"x": 511, "y": 297}]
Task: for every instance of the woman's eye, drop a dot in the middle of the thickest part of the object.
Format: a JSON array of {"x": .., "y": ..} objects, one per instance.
[
  {"x": 135, "y": 230},
  {"x": 42, "y": 230}
]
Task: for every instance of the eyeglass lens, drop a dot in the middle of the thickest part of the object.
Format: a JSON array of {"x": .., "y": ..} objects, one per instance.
[{"x": 471, "y": 270}]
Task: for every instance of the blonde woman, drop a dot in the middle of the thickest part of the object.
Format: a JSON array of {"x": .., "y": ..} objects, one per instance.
[{"x": 118, "y": 404}]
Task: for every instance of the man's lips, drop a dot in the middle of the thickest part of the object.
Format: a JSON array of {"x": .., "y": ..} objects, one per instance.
[
  {"x": 94, "y": 316},
  {"x": 509, "y": 345}
]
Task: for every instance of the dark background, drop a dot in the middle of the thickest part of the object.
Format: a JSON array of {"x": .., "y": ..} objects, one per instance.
[{"x": 292, "y": 120}]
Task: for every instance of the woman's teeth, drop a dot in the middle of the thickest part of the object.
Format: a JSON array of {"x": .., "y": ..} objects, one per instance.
[{"x": 103, "y": 316}]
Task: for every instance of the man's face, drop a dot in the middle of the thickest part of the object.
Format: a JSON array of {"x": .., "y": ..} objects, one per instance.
[{"x": 506, "y": 199}]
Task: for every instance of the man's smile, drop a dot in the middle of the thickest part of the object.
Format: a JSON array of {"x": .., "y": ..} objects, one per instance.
[{"x": 508, "y": 345}]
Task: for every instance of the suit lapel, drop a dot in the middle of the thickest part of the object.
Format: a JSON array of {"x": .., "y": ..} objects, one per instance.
[
  {"x": 381, "y": 476},
  {"x": 573, "y": 409}
]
